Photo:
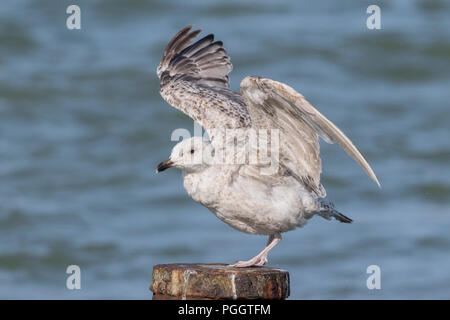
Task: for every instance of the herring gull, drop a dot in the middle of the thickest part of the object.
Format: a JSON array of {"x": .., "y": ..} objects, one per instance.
[{"x": 194, "y": 79}]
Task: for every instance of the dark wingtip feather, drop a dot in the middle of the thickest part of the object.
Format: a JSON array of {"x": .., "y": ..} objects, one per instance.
[
  {"x": 179, "y": 35},
  {"x": 205, "y": 61},
  {"x": 206, "y": 39},
  {"x": 180, "y": 38}
]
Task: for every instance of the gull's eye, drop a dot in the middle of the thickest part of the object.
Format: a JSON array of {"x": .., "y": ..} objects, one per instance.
[{"x": 192, "y": 150}]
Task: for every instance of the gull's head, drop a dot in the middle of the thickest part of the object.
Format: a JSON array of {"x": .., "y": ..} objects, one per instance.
[{"x": 189, "y": 155}]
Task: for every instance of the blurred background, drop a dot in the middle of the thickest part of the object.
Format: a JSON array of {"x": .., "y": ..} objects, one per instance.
[{"x": 83, "y": 128}]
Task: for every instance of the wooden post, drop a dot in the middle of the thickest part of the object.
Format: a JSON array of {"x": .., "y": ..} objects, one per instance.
[{"x": 178, "y": 281}]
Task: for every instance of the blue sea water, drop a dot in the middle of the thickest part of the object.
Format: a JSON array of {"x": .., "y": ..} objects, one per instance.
[{"x": 83, "y": 128}]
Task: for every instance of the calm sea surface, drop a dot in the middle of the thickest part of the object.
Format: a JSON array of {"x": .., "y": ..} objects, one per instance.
[{"x": 83, "y": 128}]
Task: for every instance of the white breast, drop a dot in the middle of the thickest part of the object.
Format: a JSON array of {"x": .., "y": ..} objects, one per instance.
[{"x": 246, "y": 204}]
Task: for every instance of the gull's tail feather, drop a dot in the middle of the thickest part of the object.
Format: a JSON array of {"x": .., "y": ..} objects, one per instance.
[
  {"x": 328, "y": 211},
  {"x": 340, "y": 217}
]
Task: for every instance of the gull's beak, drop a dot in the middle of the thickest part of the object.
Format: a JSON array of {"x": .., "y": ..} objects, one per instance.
[{"x": 164, "y": 165}]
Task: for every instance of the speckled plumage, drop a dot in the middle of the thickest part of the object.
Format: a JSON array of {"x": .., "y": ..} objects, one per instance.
[
  {"x": 212, "y": 107},
  {"x": 194, "y": 79}
]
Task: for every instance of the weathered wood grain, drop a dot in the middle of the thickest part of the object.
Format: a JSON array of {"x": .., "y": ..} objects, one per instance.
[{"x": 218, "y": 281}]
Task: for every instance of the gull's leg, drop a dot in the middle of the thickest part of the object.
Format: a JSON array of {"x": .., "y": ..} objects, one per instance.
[{"x": 261, "y": 258}]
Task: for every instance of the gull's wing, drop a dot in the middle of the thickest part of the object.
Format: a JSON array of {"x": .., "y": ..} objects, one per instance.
[
  {"x": 272, "y": 104},
  {"x": 194, "y": 79}
]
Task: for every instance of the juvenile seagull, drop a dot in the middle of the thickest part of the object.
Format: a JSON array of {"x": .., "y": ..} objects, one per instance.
[{"x": 194, "y": 79}]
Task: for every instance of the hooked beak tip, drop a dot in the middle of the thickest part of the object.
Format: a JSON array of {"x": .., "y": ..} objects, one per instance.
[{"x": 164, "y": 165}]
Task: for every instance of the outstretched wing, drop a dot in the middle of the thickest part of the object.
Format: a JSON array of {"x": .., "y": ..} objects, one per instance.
[
  {"x": 272, "y": 104},
  {"x": 205, "y": 60},
  {"x": 194, "y": 79}
]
